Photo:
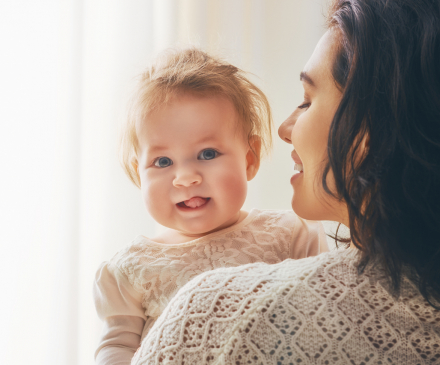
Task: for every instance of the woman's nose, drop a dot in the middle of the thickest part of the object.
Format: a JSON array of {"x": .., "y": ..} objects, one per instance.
[
  {"x": 186, "y": 177},
  {"x": 285, "y": 129}
]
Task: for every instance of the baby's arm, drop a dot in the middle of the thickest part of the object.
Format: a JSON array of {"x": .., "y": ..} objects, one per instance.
[
  {"x": 119, "y": 305},
  {"x": 119, "y": 340}
]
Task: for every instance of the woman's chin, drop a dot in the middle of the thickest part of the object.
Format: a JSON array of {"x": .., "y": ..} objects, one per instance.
[
  {"x": 297, "y": 206},
  {"x": 303, "y": 208},
  {"x": 314, "y": 209}
]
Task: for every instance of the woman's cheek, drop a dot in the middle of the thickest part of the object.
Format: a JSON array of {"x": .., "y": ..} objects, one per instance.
[
  {"x": 299, "y": 140},
  {"x": 311, "y": 137}
]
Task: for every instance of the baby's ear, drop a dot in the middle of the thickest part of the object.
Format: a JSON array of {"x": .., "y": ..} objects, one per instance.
[
  {"x": 134, "y": 164},
  {"x": 135, "y": 171},
  {"x": 253, "y": 157}
]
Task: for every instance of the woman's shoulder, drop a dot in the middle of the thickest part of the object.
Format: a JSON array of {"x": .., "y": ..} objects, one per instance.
[
  {"x": 230, "y": 293},
  {"x": 314, "y": 308}
]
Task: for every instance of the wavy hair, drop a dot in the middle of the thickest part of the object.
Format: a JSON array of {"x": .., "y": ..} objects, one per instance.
[{"x": 388, "y": 68}]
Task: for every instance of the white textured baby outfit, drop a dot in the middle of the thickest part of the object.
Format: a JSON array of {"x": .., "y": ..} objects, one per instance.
[
  {"x": 317, "y": 310},
  {"x": 134, "y": 287}
]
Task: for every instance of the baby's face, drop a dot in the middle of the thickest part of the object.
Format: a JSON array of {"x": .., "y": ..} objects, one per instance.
[{"x": 193, "y": 164}]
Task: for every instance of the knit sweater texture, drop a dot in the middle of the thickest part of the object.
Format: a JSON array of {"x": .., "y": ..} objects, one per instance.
[{"x": 318, "y": 310}]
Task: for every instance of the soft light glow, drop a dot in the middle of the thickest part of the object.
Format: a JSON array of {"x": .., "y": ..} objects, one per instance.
[{"x": 66, "y": 71}]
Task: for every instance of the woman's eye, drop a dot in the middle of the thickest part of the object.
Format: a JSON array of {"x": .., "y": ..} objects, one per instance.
[
  {"x": 304, "y": 106},
  {"x": 208, "y": 154},
  {"x": 163, "y": 162}
]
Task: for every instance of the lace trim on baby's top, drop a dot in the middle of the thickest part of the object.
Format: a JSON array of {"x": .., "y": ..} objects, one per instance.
[{"x": 158, "y": 270}]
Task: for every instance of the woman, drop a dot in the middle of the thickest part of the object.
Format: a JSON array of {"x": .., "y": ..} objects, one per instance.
[{"x": 368, "y": 137}]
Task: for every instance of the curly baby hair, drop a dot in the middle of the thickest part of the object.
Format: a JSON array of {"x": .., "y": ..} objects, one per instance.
[{"x": 191, "y": 70}]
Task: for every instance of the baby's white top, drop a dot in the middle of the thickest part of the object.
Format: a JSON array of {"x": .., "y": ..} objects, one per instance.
[
  {"x": 317, "y": 310},
  {"x": 134, "y": 287}
]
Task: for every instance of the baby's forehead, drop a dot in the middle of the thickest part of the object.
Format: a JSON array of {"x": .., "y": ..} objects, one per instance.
[
  {"x": 182, "y": 99},
  {"x": 204, "y": 116}
]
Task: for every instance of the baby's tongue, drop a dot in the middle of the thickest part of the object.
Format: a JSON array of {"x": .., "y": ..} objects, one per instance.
[{"x": 195, "y": 202}]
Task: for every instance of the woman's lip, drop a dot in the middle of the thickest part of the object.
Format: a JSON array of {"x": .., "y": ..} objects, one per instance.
[
  {"x": 295, "y": 176},
  {"x": 295, "y": 157}
]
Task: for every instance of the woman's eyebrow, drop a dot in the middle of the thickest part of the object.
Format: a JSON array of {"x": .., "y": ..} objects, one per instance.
[{"x": 303, "y": 76}]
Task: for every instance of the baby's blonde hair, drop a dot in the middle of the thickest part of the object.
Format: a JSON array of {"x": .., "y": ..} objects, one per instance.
[{"x": 191, "y": 70}]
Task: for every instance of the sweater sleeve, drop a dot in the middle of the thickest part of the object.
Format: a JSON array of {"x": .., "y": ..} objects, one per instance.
[
  {"x": 118, "y": 304},
  {"x": 308, "y": 239}
]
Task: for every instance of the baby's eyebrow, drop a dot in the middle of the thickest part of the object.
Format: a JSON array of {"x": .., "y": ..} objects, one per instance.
[
  {"x": 156, "y": 148},
  {"x": 153, "y": 149},
  {"x": 207, "y": 139}
]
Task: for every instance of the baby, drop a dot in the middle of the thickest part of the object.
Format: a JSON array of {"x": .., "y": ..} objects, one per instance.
[{"x": 195, "y": 133}]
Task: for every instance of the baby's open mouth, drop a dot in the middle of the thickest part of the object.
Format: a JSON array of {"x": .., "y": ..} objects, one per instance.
[{"x": 195, "y": 202}]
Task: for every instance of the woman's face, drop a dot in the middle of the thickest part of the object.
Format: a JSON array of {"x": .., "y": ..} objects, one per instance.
[{"x": 307, "y": 130}]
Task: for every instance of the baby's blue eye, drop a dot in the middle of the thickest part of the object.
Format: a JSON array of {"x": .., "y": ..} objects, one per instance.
[
  {"x": 163, "y": 162},
  {"x": 208, "y": 154}
]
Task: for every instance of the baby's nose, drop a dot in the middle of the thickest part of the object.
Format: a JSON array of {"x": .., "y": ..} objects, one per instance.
[{"x": 187, "y": 177}]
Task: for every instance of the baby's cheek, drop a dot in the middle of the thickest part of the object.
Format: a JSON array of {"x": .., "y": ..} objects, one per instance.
[
  {"x": 234, "y": 186},
  {"x": 153, "y": 194}
]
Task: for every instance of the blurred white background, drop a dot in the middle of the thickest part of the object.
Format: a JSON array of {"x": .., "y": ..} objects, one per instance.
[{"x": 67, "y": 68}]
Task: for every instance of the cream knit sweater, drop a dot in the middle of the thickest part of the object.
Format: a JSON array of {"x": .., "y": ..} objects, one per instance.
[
  {"x": 317, "y": 310},
  {"x": 135, "y": 286}
]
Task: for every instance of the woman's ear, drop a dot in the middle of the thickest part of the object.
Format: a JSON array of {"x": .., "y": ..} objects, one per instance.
[{"x": 253, "y": 157}]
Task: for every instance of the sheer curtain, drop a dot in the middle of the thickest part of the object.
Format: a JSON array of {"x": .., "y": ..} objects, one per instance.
[{"x": 67, "y": 68}]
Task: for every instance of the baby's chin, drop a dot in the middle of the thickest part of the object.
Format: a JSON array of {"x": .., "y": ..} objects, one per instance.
[
  {"x": 195, "y": 219},
  {"x": 181, "y": 232},
  {"x": 175, "y": 236},
  {"x": 198, "y": 228}
]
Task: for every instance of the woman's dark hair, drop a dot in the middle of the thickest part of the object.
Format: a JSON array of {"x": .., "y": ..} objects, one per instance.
[{"x": 388, "y": 68}]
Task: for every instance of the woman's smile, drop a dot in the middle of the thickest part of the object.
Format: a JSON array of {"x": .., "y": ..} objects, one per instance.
[
  {"x": 296, "y": 176},
  {"x": 298, "y": 166}
]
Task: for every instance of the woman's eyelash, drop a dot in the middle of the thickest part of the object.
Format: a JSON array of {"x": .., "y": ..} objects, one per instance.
[{"x": 304, "y": 106}]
